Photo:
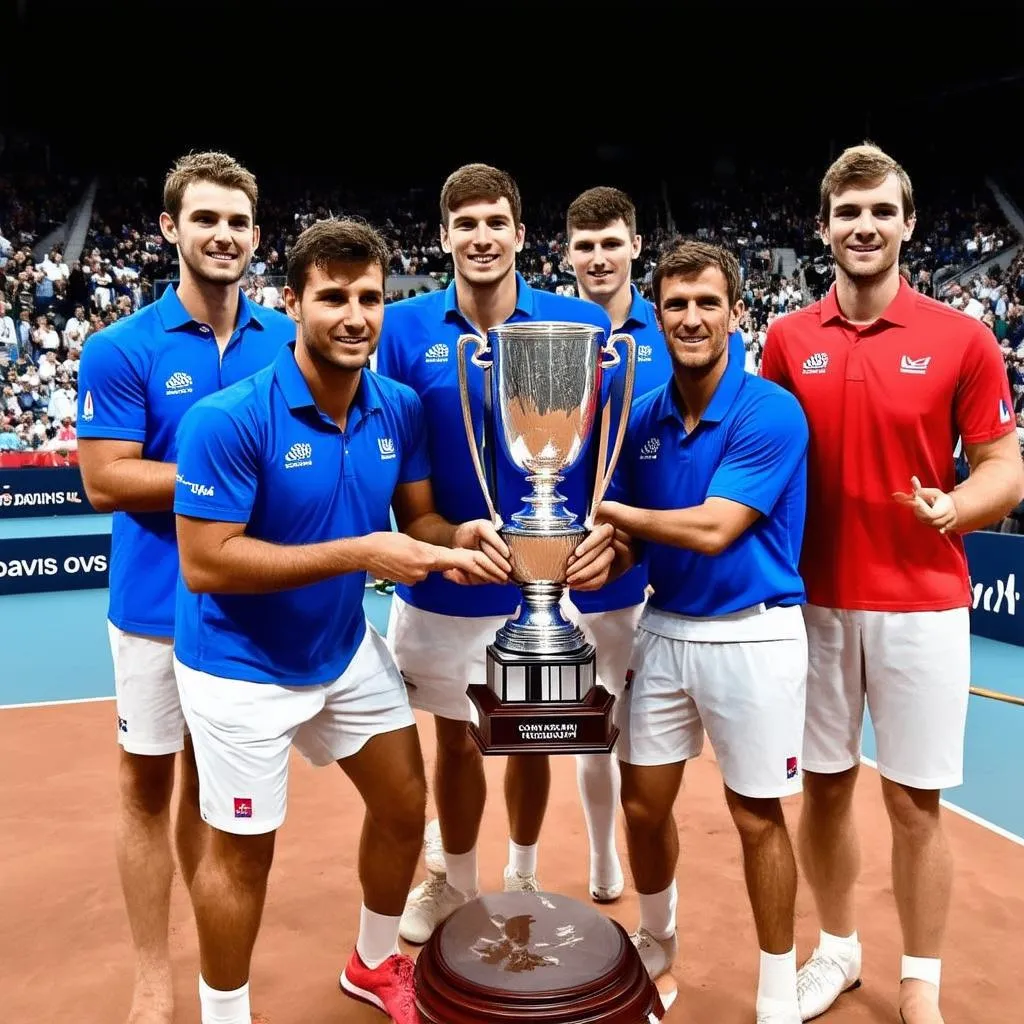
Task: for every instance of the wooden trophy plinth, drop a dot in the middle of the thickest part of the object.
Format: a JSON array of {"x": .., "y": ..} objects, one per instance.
[{"x": 533, "y": 957}]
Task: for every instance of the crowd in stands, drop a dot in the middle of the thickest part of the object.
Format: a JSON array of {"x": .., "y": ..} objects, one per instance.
[{"x": 49, "y": 306}]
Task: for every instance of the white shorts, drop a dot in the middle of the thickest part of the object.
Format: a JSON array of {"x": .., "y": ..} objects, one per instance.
[
  {"x": 440, "y": 656},
  {"x": 914, "y": 669},
  {"x": 242, "y": 732},
  {"x": 749, "y": 697},
  {"x": 612, "y": 633},
  {"x": 149, "y": 717}
]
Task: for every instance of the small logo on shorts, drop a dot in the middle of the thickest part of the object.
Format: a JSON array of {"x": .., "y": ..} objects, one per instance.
[
  {"x": 791, "y": 767},
  {"x": 122, "y": 724},
  {"x": 243, "y": 807}
]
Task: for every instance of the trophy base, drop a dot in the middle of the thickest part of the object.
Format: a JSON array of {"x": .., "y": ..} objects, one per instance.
[
  {"x": 550, "y": 706},
  {"x": 533, "y": 957}
]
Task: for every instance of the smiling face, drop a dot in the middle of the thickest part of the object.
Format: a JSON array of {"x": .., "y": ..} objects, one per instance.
[
  {"x": 339, "y": 313},
  {"x": 602, "y": 258},
  {"x": 696, "y": 318},
  {"x": 483, "y": 240},
  {"x": 866, "y": 227},
  {"x": 214, "y": 233}
]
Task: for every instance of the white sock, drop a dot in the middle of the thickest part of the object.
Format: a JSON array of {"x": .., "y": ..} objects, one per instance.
[
  {"x": 658, "y": 912},
  {"x": 462, "y": 872},
  {"x": 776, "y": 983},
  {"x": 522, "y": 859},
  {"x": 378, "y": 937},
  {"x": 598, "y": 780},
  {"x": 219, "y": 1007},
  {"x": 922, "y": 968},
  {"x": 842, "y": 947}
]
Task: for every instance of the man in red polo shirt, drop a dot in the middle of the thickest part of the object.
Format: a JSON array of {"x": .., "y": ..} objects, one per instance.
[{"x": 888, "y": 380}]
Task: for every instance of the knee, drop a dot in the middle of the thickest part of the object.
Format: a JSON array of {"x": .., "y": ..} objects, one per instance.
[
  {"x": 146, "y": 784},
  {"x": 454, "y": 742},
  {"x": 913, "y": 813},
  {"x": 246, "y": 860},
  {"x": 829, "y": 796},
  {"x": 643, "y": 814},
  {"x": 756, "y": 820}
]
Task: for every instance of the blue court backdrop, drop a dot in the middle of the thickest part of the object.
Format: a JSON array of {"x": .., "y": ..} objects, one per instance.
[
  {"x": 55, "y": 643},
  {"x": 56, "y": 491}
]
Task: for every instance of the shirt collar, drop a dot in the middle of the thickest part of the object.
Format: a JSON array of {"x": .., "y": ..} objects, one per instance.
[
  {"x": 524, "y": 299},
  {"x": 665, "y": 406},
  {"x": 174, "y": 315},
  {"x": 298, "y": 396},
  {"x": 899, "y": 312}
]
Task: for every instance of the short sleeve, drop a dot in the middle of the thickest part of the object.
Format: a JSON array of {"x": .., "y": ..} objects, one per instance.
[
  {"x": 983, "y": 406},
  {"x": 766, "y": 446},
  {"x": 111, "y": 393},
  {"x": 415, "y": 453},
  {"x": 218, "y": 465},
  {"x": 773, "y": 363}
]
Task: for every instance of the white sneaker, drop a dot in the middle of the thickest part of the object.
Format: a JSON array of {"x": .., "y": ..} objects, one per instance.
[
  {"x": 430, "y": 903},
  {"x": 823, "y": 979},
  {"x": 515, "y": 882},
  {"x": 607, "y": 892},
  {"x": 775, "y": 1017},
  {"x": 657, "y": 954},
  {"x": 433, "y": 850}
]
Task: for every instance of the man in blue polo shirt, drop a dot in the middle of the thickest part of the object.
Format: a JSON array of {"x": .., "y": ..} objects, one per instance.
[
  {"x": 137, "y": 379},
  {"x": 438, "y": 632},
  {"x": 285, "y": 483},
  {"x": 712, "y": 480},
  {"x": 603, "y": 243}
]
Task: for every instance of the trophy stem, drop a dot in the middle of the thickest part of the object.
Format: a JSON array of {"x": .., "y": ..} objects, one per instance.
[
  {"x": 540, "y": 628},
  {"x": 546, "y": 507}
]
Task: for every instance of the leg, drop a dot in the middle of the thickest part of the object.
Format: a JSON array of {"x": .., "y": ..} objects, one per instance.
[
  {"x": 922, "y": 878},
  {"x": 150, "y": 732},
  {"x": 460, "y": 789},
  {"x": 228, "y": 893},
  {"x": 829, "y": 847},
  {"x": 388, "y": 772},
  {"x": 918, "y": 685},
  {"x": 652, "y": 838},
  {"x": 190, "y": 831},
  {"x": 146, "y": 868},
  {"x": 527, "y": 786}
]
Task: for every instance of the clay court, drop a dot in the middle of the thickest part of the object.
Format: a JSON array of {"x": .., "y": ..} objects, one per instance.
[{"x": 65, "y": 948}]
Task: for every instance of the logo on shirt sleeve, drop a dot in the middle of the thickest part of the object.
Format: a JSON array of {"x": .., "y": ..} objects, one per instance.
[
  {"x": 386, "y": 447},
  {"x": 1004, "y": 412},
  {"x": 300, "y": 454},
  {"x": 87, "y": 410},
  {"x": 179, "y": 384},
  {"x": 818, "y": 363},
  {"x": 437, "y": 353}
]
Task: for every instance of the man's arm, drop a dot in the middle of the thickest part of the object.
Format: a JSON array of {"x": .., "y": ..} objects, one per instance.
[
  {"x": 708, "y": 528},
  {"x": 995, "y": 486},
  {"x": 118, "y": 479}
]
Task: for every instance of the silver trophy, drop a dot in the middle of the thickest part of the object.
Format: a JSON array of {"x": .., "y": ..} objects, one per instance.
[{"x": 542, "y": 399}]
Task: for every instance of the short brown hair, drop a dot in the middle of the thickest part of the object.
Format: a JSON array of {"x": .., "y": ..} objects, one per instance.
[
  {"x": 476, "y": 183},
  {"x": 864, "y": 166},
  {"x": 335, "y": 241},
  {"x": 598, "y": 207},
  {"x": 687, "y": 258},
  {"x": 217, "y": 168}
]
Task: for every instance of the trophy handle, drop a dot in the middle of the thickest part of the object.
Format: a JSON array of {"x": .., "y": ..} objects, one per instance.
[
  {"x": 613, "y": 359},
  {"x": 479, "y": 358}
]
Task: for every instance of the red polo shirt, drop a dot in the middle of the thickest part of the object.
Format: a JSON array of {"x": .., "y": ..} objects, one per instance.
[{"x": 886, "y": 402}]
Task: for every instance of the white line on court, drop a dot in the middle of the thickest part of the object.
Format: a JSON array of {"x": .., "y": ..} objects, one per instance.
[
  {"x": 54, "y": 703},
  {"x": 974, "y": 818}
]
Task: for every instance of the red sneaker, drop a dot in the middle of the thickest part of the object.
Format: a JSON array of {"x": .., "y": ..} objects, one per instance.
[{"x": 388, "y": 987}]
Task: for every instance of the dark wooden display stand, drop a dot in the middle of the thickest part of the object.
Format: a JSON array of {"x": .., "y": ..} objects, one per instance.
[{"x": 532, "y": 957}]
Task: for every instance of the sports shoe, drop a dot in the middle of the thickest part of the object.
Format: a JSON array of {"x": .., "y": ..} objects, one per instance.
[
  {"x": 430, "y": 903},
  {"x": 433, "y": 850},
  {"x": 608, "y": 892},
  {"x": 388, "y": 987},
  {"x": 515, "y": 882},
  {"x": 824, "y": 978},
  {"x": 657, "y": 954}
]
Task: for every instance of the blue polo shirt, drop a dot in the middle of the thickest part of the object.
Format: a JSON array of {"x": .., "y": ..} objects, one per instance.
[
  {"x": 750, "y": 447},
  {"x": 136, "y": 381},
  {"x": 418, "y": 346},
  {"x": 263, "y": 454}
]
